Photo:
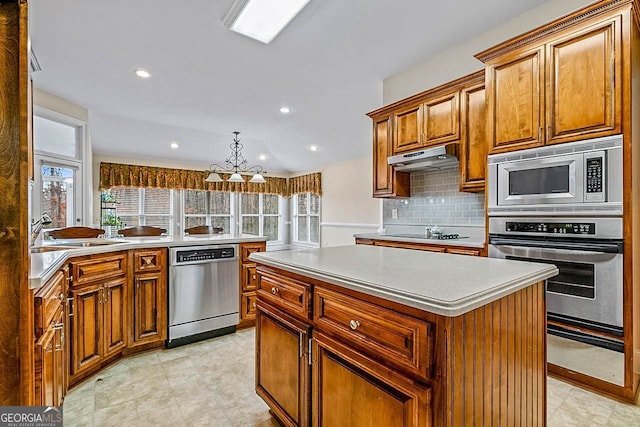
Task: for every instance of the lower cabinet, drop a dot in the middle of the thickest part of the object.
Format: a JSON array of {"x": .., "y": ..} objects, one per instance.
[
  {"x": 149, "y": 308},
  {"x": 283, "y": 365},
  {"x": 50, "y": 360},
  {"x": 350, "y": 389}
]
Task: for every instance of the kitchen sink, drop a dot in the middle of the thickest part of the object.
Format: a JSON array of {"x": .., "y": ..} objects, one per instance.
[
  {"x": 43, "y": 249},
  {"x": 69, "y": 244}
]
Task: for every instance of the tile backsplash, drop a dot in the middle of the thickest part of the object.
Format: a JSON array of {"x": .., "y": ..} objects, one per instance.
[{"x": 436, "y": 200}]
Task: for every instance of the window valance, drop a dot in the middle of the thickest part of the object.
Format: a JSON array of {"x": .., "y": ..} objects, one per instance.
[
  {"x": 310, "y": 183},
  {"x": 120, "y": 175}
]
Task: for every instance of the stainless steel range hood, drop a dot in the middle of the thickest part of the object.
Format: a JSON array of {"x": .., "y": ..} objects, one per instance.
[{"x": 425, "y": 159}]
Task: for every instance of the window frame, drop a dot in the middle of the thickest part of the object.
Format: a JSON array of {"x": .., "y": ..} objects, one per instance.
[
  {"x": 261, "y": 215},
  {"x": 208, "y": 216},
  {"x": 294, "y": 221},
  {"x": 142, "y": 217}
]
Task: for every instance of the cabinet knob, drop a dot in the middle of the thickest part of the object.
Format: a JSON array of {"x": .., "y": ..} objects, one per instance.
[
  {"x": 274, "y": 290},
  {"x": 148, "y": 261},
  {"x": 254, "y": 277},
  {"x": 253, "y": 305},
  {"x": 60, "y": 297},
  {"x": 353, "y": 324}
]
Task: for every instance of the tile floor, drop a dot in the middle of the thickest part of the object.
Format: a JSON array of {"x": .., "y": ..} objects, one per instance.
[{"x": 211, "y": 383}]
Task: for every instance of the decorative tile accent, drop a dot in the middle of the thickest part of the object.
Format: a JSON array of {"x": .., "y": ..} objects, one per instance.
[{"x": 435, "y": 200}]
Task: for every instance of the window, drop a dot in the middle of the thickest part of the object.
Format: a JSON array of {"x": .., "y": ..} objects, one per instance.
[
  {"x": 212, "y": 208},
  {"x": 306, "y": 218},
  {"x": 144, "y": 206},
  {"x": 57, "y": 144},
  {"x": 260, "y": 215}
]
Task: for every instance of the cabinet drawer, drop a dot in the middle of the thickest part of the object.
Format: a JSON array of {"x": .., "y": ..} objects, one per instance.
[
  {"x": 408, "y": 245},
  {"x": 148, "y": 260},
  {"x": 464, "y": 251},
  {"x": 248, "y": 306},
  {"x": 289, "y": 294},
  {"x": 247, "y": 249},
  {"x": 98, "y": 269},
  {"x": 249, "y": 278},
  {"x": 389, "y": 336},
  {"x": 46, "y": 301}
]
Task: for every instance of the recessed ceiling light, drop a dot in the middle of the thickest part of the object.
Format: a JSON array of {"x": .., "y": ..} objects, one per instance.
[
  {"x": 174, "y": 145},
  {"x": 143, "y": 73},
  {"x": 262, "y": 157},
  {"x": 313, "y": 147},
  {"x": 285, "y": 110},
  {"x": 261, "y": 19}
]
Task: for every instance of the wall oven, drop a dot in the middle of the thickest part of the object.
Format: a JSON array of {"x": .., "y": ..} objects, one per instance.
[
  {"x": 584, "y": 301},
  {"x": 578, "y": 178}
]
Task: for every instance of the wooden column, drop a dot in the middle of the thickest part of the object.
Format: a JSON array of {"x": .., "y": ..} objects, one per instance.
[{"x": 16, "y": 336}]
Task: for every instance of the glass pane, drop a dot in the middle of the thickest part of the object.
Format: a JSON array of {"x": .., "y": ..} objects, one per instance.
[
  {"x": 302, "y": 229},
  {"x": 193, "y": 221},
  {"x": 54, "y": 137},
  {"x": 270, "y": 227},
  {"x": 57, "y": 195},
  {"x": 314, "y": 204},
  {"x": 220, "y": 203},
  {"x": 157, "y": 201},
  {"x": 270, "y": 203},
  {"x": 547, "y": 180},
  {"x": 195, "y": 202},
  {"x": 315, "y": 229},
  {"x": 250, "y": 204},
  {"x": 302, "y": 203},
  {"x": 251, "y": 225},
  {"x": 128, "y": 200},
  {"x": 159, "y": 221},
  {"x": 129, "y": 221},
  {"x": 222, "y": 222}
]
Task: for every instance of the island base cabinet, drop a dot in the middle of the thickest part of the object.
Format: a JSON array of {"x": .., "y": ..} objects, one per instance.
[{"x": 282, "y": 367}]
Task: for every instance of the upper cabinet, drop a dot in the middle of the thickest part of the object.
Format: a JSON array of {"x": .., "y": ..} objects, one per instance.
[
  {"x": 559, "y": 87},
  {"x": 448, "y": 113}
]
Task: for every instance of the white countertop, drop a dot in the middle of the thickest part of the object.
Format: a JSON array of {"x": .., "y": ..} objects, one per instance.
[
  {"x": 44, "y": 265},
  {"x": 443, "y": 284},
  {"x": 472, "y": 242}
]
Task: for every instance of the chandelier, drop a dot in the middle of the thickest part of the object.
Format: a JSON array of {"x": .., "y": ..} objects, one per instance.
[{"x": 235, "y": 164}]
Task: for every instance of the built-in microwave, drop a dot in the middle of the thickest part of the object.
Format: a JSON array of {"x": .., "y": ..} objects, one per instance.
[{"x": 575, "y": 178}]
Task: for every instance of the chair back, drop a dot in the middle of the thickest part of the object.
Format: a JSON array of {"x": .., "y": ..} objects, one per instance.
[
  {"x": 75, "y": 233},
  {"x": 203, "y": 229},
  {"x": 142, "y": 230}
]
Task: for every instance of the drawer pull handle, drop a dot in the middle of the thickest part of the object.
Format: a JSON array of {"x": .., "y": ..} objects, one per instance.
[
  {"x": 274, "y": 290},
  {"x": 353, "y": 324}
]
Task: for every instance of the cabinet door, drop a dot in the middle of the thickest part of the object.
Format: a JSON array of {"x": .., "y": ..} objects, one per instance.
[
  {"x": 249, "y": 278},
  {"x": 59, "y": 357},
  {"x": 86, "y": 328},
  {"x": 407, "y": 127},
  {"x": 148, "y": 307},
  {"x": 386, "y": 182},
  {"x": 584, "y": 96},
  {"x": 441, "y": 120},
  {"x": 515, "y": 92},
  {"x": 248, "y": 306},
  {"x": 114, "y": 316},
  {"x": 282, "y": 368},
  {"x": 45, "y": 372},
  {"x": 473, "y": 139},
  {"x": 351, "y": 389}
]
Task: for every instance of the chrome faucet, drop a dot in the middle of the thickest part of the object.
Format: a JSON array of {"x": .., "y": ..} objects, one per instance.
[{"x": 36, "y": 226}]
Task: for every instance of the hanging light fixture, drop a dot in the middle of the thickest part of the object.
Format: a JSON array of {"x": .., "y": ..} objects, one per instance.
[{"x": 235, "y": 164}]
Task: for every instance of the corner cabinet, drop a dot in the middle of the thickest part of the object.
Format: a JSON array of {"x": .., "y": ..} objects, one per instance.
[
  {"x": 562, "y": 87},
  {"x": 386, "y": 181},
  {"x": 248, "y": 282}
]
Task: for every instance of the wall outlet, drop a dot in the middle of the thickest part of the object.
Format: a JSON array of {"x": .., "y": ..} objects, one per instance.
[{"x": 394, "y": 213}]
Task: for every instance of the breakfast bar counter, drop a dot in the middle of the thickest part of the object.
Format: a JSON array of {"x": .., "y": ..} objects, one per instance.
[{"x": 387, "y": 336}]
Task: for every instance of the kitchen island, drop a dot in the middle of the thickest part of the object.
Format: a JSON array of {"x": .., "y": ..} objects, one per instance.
[{"x": 365, "y": 335}]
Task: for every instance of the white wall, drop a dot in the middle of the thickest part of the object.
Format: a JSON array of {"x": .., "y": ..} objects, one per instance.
[
  {"x": 347, "y": 203},
  {"x": 458, "y": 61}
]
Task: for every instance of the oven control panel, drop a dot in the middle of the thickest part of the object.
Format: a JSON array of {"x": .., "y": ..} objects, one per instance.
[{"x": 552, "y": 227}]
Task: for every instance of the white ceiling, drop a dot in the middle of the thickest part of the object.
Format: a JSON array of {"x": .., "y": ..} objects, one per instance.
[{"x": 327, "y": 66}]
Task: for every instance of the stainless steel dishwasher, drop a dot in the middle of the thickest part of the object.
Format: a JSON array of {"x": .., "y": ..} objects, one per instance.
[{"x": 203, "y": 292}]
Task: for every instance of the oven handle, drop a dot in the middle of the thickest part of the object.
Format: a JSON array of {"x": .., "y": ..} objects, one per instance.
[{"x": 608, "y": 247}]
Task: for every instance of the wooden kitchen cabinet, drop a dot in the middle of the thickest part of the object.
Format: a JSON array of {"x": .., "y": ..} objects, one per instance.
[
  {"x": 50, "y": 362},
  {"x": 352, "y": 389},
  {"x": 441, "y": 119},
  {"x": 407, "y": 129},
  {"x": 386, "y": 181},
  {"x": 431, "y": 247},
  {"x": 473, "y": 137},
  {"x": 555, "y": 88},
  {"x": 98, "y": 311},
  {"x": 282, "y": 365},
  {"x": 248, "y": 282},
  {"x": 148, "y": 310}
]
